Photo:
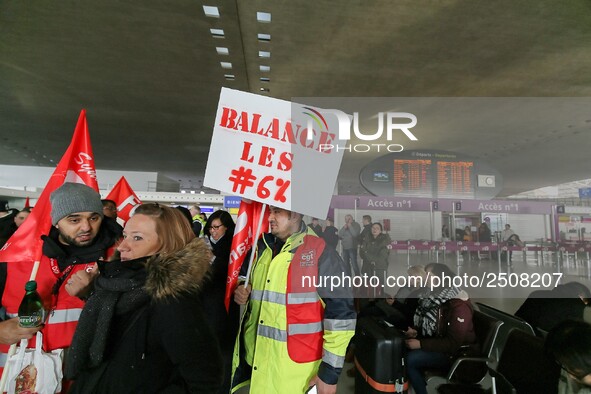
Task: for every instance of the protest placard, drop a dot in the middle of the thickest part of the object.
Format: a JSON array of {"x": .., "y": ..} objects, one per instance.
[{"x": 261, "y": 149}]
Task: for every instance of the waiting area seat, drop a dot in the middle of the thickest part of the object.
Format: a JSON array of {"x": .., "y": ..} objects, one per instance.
[
  {"x": 523, "y": 368},
  {"x": 471, "y": 368},
  {"x": 510, "y": 322}
]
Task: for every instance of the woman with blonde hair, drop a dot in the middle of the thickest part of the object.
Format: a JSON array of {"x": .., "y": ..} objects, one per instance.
[{"x": 142, "y": 330}]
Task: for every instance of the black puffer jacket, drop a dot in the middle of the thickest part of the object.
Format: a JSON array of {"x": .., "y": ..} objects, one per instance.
[{"x": 163, "y": 344}]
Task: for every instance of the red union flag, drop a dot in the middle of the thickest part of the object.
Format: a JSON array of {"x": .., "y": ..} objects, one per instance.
[
  {"x": 125, "y": 199},
  {"x": 76, "y": 165},
  {"x": 249, "y": 215}
]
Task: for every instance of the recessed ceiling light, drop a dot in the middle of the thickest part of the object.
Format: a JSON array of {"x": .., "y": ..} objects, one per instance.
[
  {"x": 211, "y": 11},
  {"x": 217, "y": 33},
  {"x": 265, "y": 89},
  {"x": 264, "y": 37},
  {"x": 264, "y": 54},
  {"x": 265, "y": 69},
  {"x": 265, "y": 79},
  {"x": 230, "y": 77},
  {"x": 226, "y": 64},
  {"x": 222, "y": 50},
  {"x": 264, "y": 17}
]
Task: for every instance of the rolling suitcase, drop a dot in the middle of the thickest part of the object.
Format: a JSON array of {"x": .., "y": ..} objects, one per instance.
[{"x": 379, "y": 358}]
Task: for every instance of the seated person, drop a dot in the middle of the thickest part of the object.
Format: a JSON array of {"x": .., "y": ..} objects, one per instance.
[
  {"x": 442, "y": 325},
  {"x": 399, "y": 309},
  {"x": 569, "y": 342}
]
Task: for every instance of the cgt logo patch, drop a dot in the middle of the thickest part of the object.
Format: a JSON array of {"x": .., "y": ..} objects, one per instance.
[{"x": 307, "y": 258}]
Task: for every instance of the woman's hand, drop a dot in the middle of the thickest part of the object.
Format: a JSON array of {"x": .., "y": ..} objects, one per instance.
[
  {"x": 411, "y": 332},
  {"x": 79, "y": 284},
  {"x": 413, "y": 344}
]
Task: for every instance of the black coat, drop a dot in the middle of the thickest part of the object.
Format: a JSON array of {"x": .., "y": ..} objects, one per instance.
[
  {"x": 163, "y": 345},
  {"x": 213, "y": 291}
]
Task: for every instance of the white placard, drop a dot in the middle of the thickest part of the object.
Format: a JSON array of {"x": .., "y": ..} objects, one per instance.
[{"x": 260, "y": 150}]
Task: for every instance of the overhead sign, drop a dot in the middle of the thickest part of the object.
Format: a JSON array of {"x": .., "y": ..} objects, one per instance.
[
  {"x": 273, "y": 151},
  {"x": 232, "y": 201}
]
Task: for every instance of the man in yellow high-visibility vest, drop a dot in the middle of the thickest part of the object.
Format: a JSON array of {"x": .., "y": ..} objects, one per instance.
[{"x": 293, "y": 334}]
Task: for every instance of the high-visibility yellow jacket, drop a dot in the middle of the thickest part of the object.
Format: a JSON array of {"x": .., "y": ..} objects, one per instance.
[{"x": 288, "y": 335}]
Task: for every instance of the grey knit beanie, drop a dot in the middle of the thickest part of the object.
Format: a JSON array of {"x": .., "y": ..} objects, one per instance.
[{"x": 74, "y": 197}]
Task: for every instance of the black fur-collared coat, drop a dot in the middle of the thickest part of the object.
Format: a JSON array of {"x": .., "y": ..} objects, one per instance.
[{"x": 158, "y": 340}]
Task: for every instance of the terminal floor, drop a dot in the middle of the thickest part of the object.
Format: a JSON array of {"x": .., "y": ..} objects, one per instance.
[{"x": 507, "y": 300}]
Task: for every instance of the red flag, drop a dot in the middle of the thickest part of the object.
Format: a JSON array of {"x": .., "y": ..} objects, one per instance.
[
  {"x": 249, "y": 215},
  {"x": 76, "y": 165},
  {"x": 125, "y": 199},
  {"x": 27, "y": 203}
]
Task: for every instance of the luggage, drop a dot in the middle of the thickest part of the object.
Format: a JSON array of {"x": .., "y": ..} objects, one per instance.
[{"x": 379, "y": 357}]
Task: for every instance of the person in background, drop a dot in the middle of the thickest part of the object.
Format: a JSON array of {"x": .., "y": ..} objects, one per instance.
[
  {"x": 316, "y": 227},
  {"x": 21, "y": 217},
  {"x": 6, "y": 221},
  {"x": 348, "y": 234},
  {"x": 186, "y": 213},
  {"x": 109, "y": 209},
  {"x": 467, "y": 234},
  {"x": 143, "y": 329},
  {"x": 293, "y": 336},
  {"x": 445, "y": 233},
  {"x": 507, "y": 232},
  {"x": 569, "y": 343},
  {"x": 198, "y": 221},
  {"x": 375, "y": 253},
  {"x": 484, "y": 233},
  {"x": 330, "y": 234},
  {"x": 366, "y": 230},
  {"x": 442, "y": 324},
  {"x": 219, "y": 229}
]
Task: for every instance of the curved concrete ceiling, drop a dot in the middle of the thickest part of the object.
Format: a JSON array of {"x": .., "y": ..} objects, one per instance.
[{"x": 149, "y": 76}]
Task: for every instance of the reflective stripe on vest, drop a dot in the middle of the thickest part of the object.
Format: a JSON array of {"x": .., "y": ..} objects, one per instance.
[
  {"x": 304, "y": 310},
  {"x": 339, "y": 324},
  {"x": 333, "y": 359},
  {"x": 268, "y": 296},
  {"x": 309, "y": 328},
  {"x": 302, "y": 298},
  {"x": 272, "y": 333}
]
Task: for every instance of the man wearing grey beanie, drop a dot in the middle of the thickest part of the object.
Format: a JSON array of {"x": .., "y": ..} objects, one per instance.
[{"x": 79, "y": 238}]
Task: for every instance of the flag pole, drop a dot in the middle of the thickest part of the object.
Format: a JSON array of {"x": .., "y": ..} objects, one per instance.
[
  {"x": 12, "y": 349},
  {"x": 254, "y": 243},
  {"x": 11, "y": 352}
]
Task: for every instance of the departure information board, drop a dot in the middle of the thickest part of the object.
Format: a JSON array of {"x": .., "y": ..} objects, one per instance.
[
  {"x": 431, "y": 174},
  {"x": 412, "y": 177},
  {"x": 427, "y": 178},
  {"x": 455, "y": 179}
]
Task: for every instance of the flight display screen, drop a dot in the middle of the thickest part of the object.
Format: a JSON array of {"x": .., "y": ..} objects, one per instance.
[
  {"x": 455, "y": 179},
  {"x": 427, "y": 178},
  {"x": 412, "y": 177}
]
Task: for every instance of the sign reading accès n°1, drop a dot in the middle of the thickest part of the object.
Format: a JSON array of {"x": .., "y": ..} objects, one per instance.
[{"x": 273, "y": 151}]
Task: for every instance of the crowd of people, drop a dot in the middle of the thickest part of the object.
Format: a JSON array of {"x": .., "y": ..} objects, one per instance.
[{"x": 142, "y": 308}]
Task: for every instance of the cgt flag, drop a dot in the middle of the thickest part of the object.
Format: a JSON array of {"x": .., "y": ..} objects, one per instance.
[
  {"x": 249, "y": 215},
  {"x": 125, "y": 199},
  {"x": 76, "y": 165}
]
